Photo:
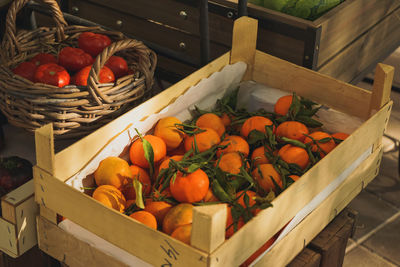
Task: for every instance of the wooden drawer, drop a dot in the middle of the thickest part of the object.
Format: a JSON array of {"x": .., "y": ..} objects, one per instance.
[{"x": 145, "y": 28}]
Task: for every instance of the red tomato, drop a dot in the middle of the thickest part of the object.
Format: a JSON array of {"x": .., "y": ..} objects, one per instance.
[
  {"x": 26, "y": 70},
  {"x": 43, "y": 58},
  {"x": 118, "y": 66},
  {"x": 106, "y": 76},
  {"x": 53, "y": 74},
  {"x": 93, "y": 43},
  {"x": 74, "y": 59}
]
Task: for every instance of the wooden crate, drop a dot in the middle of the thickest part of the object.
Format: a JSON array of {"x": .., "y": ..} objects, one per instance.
[
  {"x": 344, "y": 43},
  {"x": 18, "y": 221},
  {"x": 56, "y": 197}
]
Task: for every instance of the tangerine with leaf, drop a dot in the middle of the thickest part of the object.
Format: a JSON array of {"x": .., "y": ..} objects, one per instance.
[
  {"x": 205, "y": 139},
  {"x": 234, "y": 143},
  {"x": 189, "y": 187},
  {"x": 255, "y": 123},
  {"x": 294, "y": 154},
  {"x": 137, "y": 152}
]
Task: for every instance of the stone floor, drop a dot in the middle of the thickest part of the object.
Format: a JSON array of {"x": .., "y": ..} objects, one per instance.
[{"x": 377, "y": 238}]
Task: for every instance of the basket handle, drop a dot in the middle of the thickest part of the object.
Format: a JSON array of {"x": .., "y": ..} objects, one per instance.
[
  {"x": 10, "y": 42},
  {"x": 144, "y": 64}
]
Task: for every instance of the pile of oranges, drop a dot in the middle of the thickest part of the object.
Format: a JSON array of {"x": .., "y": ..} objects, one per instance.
[{"x": 233, "y": 156}]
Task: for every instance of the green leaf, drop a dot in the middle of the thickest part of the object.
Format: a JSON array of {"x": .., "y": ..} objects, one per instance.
[
  {"x": 255, "y": 136},
  {"x": 193, "y": 167},
  {"x": 309, "y": 121},
  {"x": 294, "y": 107},
  {"x": 148, "y": 153},
  {"x": 324, "y": 140},
  {"x": 138, "y": 190},
  {"x": 293, "y": 142},
  {"x": 219, "y": 192}
]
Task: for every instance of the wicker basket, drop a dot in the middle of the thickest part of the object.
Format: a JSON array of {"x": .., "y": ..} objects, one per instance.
[{"x": 73, "y": 110}]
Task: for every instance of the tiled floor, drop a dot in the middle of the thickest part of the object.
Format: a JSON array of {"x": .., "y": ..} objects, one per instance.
[{"x": 377, "y": 238}]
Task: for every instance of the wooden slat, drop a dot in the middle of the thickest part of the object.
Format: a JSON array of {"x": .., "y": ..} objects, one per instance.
[
  {"x": 370, "y": 47},
  {"x": 346, "y": 22},
  {"x": 244, "y": 42},
  {"x": 294, "y": 242},
  {"x": 47, "y": 213},
  {"x": 70, "y": 250},
  {"x": 148, "y": 244},
  {"x": 208, "y": 228},
  {"x": 239, "y": 247},
  {"x": 78, "y": 154},
  {"x": 323, "y": 89}
]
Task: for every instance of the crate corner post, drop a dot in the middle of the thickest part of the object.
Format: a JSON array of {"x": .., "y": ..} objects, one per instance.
[
  {"x": 44, "y": 145},
  {"x": 244, "y": 43},
  {"x": 383, "y": 80},
  {"x": 208, "y": 228}
]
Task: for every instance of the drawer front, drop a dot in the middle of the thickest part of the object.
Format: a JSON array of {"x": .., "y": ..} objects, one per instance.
[{"x": 181, "y": 42}]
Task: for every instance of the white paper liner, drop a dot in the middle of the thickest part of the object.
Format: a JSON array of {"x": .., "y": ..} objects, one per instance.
[{"x": 252, "y": 96}]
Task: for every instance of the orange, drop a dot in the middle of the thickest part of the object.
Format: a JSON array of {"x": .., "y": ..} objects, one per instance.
[
  {"x": 158, "y": 208},
  {"x": 110, "y": 196},
  {"x": 255, "y": 123},
  {"x": 340, "y": 136},
  {"x": 258, "y": 156},
  {"x": 292, "y": 129},
  {"x": 136, "y": 152},
  {"x": 235, "y": 143},
  {"x": 294, "y": 177},
  {"x": 226, "y": 120},
  {"x": 323, "y": 148},
  {"x": 283, "y": 104},
  {"x": 191, "y": 187},
  {"x": 181, "y": 214},
  {"x": 145, "y": 217},
  {"x": 268, "y": 173},
  {"x": 210, "y": 197},
  {"x": 165, "y": 163},
  {"x": 210, "y": 120},
  {"x": 113, "y": 171},
  {"x": 143, "y": 177},
  {"x": 169, "y": 132},
  {"x": 230, "y": 226},
  {"x": 183, "y": 233},
  {"x": 204, "y": 140},
  {"x": 230, "y": 162},
  {"x": 294, "y": 154}
]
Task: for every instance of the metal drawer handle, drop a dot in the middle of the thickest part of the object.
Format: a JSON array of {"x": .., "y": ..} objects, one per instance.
[
  {"x": 75, "y": 10},
  {"x": 183, "y": 14}
]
